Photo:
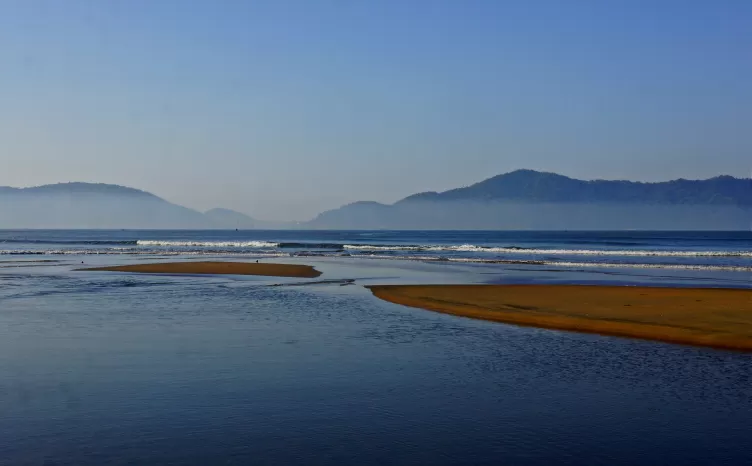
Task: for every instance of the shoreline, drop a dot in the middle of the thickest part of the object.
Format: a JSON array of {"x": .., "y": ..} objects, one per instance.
[
  {"x": 215, "y": 268},
  {"x": 710, "y": 317}
]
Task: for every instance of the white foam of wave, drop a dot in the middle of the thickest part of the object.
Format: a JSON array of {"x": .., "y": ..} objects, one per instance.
[
  {"x": 230, "y": 253},
  {"x": 587, "y": 252},
  {"x": 369, "y": 247},
  {"x": 719, "y": 268},
  {"x": 567, "y": 264},
  {"x": 84, "y": 252},
  {"x": 204, "y": 244}
]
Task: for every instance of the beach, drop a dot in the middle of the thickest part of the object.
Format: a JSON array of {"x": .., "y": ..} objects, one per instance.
[
  {"x": 720, "y": 318},
  {"x": 216, "y": 268},
  {"x": 190, "y": 363},
  {"x": 713, "y": 317}
]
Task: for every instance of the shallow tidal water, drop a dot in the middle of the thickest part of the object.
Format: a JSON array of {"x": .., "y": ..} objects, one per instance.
[{"x": 107, "y": 368}]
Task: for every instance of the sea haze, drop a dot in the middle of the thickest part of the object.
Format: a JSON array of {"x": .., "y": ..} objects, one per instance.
[{"x": 520, "y": 200}]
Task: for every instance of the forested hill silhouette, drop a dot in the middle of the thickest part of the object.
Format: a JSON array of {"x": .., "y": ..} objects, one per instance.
[
  {"x": 528, "y": 199},
  {"x": 522, "y": 199},
  {"x": 97, "y": 205},
  {"x": 535, "y": 186}
]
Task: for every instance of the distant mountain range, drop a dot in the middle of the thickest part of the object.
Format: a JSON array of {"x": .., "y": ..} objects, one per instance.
[
  {"x": 528, "y": 199},
  {"x": 90, "y": 205},
  {"x": 523, "y": 199},
  {"x": 534, "y": 186}
]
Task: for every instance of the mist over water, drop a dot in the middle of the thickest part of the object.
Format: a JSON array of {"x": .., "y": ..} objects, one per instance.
[
  {"x": 497, "y": 215},
  {"x": 721, "y": 204},
  {"x": 94, "y": 211}
]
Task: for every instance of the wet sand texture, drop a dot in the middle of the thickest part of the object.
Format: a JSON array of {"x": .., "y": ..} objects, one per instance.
[
  {"x": 715, "y": 317},
  {"x": 217, "y": 268}
]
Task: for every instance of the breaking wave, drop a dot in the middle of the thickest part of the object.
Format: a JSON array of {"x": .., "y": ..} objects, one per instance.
[
  {"x": 238, "y": 244},
  {"x": 372, "y": 247},
  {"x": 375, "y": 255},
  {"x": 133, "y": 252},
  {"x": 201, "y": 244},
  {"x": 383, "y": 248},
  {"x": 520, "y": 250},
  {"x": 568, "y": 264},
  {"x": 726, "y": 268},
  {"x": 311, "y": 246}
]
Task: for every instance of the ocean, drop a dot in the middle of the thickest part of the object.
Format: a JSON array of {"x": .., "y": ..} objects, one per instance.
[{"x": 109, "y": 368}]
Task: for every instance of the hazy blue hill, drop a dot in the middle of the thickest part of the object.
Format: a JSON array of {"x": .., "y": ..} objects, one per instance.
[
  {"x": 226, "y": 218},
  {"x": 90, "y": 205},
  {"x": 523, "y": 199},
  {"x": 528, "y": 199},
  {"x": 533, "y": 186},
  {"x": 358, "y": 215},
  {"x": 426, "y": 196},
  {"x": 97, "y": 205},
  {"x": 97, "y": 189},
  {"x": 231, "y": 219}
]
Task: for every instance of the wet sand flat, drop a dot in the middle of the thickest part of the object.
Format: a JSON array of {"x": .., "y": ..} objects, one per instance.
[
  {"x": 217, "y": 268},
  {"x": 715, "y": 317}
]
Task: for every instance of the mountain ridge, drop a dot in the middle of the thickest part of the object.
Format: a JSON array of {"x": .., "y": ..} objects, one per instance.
[
  {"x": 231, "y": 218},
  {"x": 519, "y": 199},
  {"x": 102, "y": 205},
  {"x": 531, "y": 185},
  {"x": 79, "y": 187},
  {"x": 543, "y": 200}
]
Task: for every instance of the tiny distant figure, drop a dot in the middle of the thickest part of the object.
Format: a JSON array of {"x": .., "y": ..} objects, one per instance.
[
  {"x": 257, "y": 261},
  {"x": 82, "y": 262}
]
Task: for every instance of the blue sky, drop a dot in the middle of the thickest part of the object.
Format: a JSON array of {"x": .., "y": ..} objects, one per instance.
[{"x": 281, "y": 109}]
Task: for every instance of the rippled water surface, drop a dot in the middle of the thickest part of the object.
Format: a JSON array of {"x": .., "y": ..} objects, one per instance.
[
  {"x": 99, "y": 368},
  {"x": 713, "y": 251}
]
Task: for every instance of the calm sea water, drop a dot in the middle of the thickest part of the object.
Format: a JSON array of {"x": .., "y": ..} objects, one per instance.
[{"x": 104, "y": 368}]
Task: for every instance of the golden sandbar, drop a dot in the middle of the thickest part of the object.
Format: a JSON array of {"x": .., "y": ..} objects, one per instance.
[
  {"x": 716, "y": 317},
  {"x": 217, "y": 268}
]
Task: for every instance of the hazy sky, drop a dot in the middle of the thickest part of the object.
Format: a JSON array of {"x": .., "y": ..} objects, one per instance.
[{"x": 281, "y": 109}]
